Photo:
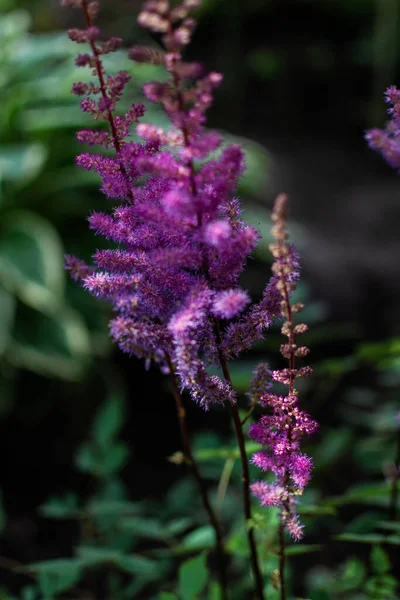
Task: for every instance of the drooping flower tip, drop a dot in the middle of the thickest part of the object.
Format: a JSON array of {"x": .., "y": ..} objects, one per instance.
[
  {"x": 294, "y": 527},
  {"x": 300, "y": 469},
  {"x": 230, "y": 303},
  {"x": 77, "y": 268},
  {"x": 193, "y": 314},
  {"x": 216, "y": 232},
  {"x": 392, "y": 95},
  {"x": 262, "y": 461},
  {"x": 376, "y": 138},
  {"x": 268, "y": 494}
]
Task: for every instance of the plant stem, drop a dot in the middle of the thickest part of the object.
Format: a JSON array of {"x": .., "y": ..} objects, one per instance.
[
  {"x": 247, "y": 503},
  {"x": 282, "y": 561},
  {"x": 393, "y": 508},
  {"x": 191, "y": 463},
  {"x": 258, "y": 580}
]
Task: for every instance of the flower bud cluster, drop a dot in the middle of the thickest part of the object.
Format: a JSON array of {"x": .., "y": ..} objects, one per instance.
[{"x": 281, "y": 430}]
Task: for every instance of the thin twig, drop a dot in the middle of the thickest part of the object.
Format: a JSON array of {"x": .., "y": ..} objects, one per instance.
[
  {"x": 103, "y": 91},
  {"x": 258, "y": 579},
  {"x": 282, "y": 558},
  {"x": 191, "y": 462}
]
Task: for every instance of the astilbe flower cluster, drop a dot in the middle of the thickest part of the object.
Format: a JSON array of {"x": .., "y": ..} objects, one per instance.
[
  {"x": 280, "y": 430},
  {"x": 181, "y": 244},
  {"x": 387, "y": 140}
]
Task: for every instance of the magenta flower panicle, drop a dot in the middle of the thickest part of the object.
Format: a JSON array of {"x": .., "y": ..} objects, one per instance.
[
  {"x": 281, "y": 430},
  {"x": 181, "y": 242}
]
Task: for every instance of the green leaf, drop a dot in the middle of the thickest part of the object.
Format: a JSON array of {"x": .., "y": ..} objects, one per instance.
[
  {"x": 31, "y": 260},
  {"x": 57, "y": 576},
  {"x": 237, "y": 544},
  {"x": 335, "y": 443},
  {"x": 376, "y": 493},
  {"x": 115, "y": 459},
  {"x": 108, "y": 421},
  {"x": 352, "y": 575},
  {"x": 167, "y": 596},
  {"x": 302, "y": 549},
  {"x": 178, "y": 526},
  {"x": 65, "y": 507},
  {"x": 379, "y": 560},
  {"x": 215, "y": 592},
  {"x": 100, "y": 462},
  {"x": 55, "y": 346},
  {"x": 381, "y": 587},
  {"x": 7, "y": 312},
  {"x": 139, "y": 565},
  {"x": 199, "y": 539},
  {"x": 192, "y": 577},
  {"x": 93, "y": 556},
  {"x": 20, "y": 164},
  {"x": 120, "y": 508},
  {"x": 143, "y": 527},
  {"x": 391, "y": 525}
]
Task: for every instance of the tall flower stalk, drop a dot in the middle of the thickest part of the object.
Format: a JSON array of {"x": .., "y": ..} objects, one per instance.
[
  {"x": 281, "y": 430},
  {"x": 173, "y": 279},
  {"x": 120, "y": 181}
]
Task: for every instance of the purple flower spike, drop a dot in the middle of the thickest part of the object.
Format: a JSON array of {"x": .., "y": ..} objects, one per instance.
[
  {"x": 173, "y": 279},
  {"x": 280, "y": 430}
]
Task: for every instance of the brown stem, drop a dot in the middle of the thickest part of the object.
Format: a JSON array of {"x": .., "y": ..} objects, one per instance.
[
  {"x": 191, "y": 463},
  {"x": 258, "y": 579},
  {"x": 224, "y": 365},
  {"x": 282, "y": 561},
  {"x": 246, "y": 502},
  {"x": 103, "y": 90},
  {"x": 394, "y": 493}
]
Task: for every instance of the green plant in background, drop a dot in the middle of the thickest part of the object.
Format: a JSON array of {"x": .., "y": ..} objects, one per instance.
[
  {"x": 39, "y": 328},
  {"x": 110, "y": 526}
]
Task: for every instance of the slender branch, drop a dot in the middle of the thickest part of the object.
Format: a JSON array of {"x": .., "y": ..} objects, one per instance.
[
  {"x": 394, "y": 493},
  {"x": 258, "y": 579},
  {"x": 250, "y": 412},
  {"x": 103, "y": 90},
  {"x": 224, "y": 480},
  {"x": 191, "y": 463},
  {"x": 282, "y": 560}
]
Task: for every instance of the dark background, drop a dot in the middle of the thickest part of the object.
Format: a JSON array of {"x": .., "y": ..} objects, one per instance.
[{"x": 304, "y": 79}]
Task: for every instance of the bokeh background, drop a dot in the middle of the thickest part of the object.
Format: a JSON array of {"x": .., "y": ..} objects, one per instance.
[{"x": 303, "y": 80}]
